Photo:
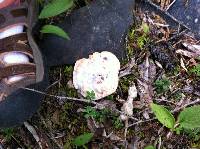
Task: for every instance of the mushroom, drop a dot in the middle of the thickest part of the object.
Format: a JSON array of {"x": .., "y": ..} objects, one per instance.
[{"x": 98, "y": 73}]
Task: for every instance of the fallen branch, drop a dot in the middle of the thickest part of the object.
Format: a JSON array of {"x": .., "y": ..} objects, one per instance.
[
  {"x": 62, "y": 97},
  {"x": 97, "y": 105}
]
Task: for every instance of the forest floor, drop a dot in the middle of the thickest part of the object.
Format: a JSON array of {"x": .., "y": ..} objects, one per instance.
[{"x": 159, "y": 63}]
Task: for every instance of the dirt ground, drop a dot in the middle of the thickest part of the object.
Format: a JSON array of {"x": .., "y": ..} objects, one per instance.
[{"x": 163, "y": 70}]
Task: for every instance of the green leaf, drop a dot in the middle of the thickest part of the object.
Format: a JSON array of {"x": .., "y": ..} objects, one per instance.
[
  {"x": 54, "y": 30},
  {"x": 55, "y": 7},
  {"x": 163, "y": 115},
  {"x": 196, "y": 70},
  {"x": 145, "y": 28},
  {"x": 82, "y": 139},
  {"x": 90, "y": 95},
  {"x": 190, "y": 117},
  {"x": 150, "y": 147}
]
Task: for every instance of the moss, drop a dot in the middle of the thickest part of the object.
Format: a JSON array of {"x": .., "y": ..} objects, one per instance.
[
  {"x": 8, "y": 133},
  {"x": 68, "y": 70},
  {"x": 71, "y": 92},
  {"x": 140, "y": 134},
  {"x": 125, "y": 82},
  {"x": 66, "y": 116}
]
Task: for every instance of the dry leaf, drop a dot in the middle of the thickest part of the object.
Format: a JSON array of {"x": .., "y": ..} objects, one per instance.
[
  {"x": 183, "y": 65},
  {"x": 127, "y": 107}
]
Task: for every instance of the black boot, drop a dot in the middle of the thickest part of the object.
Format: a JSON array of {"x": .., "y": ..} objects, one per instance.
[{"x": 101, "y": 26}]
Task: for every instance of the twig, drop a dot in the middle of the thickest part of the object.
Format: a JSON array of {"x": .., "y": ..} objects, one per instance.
[
  {"x": 161, "y": 25},
  {"x": 166, "y": 13},
  {"x": 53, "y": 84},
  {"x": 164, "y": 100},
  {"x": 49, "y": 134},
  {"x": 127, "y": 70},
  {"x": 126, "y": 129},
  {"x": 159, "y": 142},
  {"x": 60, "y": 77},
  {"x": 170, "y": 5},
  {"x": 188, "y": 104},
  {"x": 63, "y": 97},
  {"x": 140, "y": 121},
  {"x": 98, "y": 105},
  {"x": 1, "y": 146},
  {"x": 177, "y": 35},
  {"x": 18, "y": 142},
  {"x": 32, "y": 130},
  {"x": 133, "y": 118}
]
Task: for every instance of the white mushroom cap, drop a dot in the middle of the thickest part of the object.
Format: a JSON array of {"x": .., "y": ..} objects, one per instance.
[{"x": 98, "y": 73}]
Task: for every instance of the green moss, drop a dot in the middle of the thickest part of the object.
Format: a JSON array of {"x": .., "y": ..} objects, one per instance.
[
  {"x": 130, "y": 132},
  {"x": 132, "y": 34},
  {"x": 142, "y": 40},
  {"x": 8, "y": 133},
  {"x": 130, "y": 51},
  {"x": 110, "y": 97},
  {"x": 176, "y": 70},
  {"x": 193, "y": 134},
  {"x": 68, "y": 70},
  {"x": 90, "y": 95},
  {"x": 177, "y": 96},
  {"x": 140, "y": 134},
  {"x": 162, "y": 85},
  {"x": 68, "y": 143},
  {"x": 71, "y": 92},
  {"x": 195, "y": 70},
  {"x": 117, "y": 123},
  {"x": 125, "y": 82}
]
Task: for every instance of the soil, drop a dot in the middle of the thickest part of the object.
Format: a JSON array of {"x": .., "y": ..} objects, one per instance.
[{"x": 151, "y": 59}]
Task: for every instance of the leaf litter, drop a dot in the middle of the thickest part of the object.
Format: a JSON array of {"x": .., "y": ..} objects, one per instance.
[{"x": 151, "y": 56}]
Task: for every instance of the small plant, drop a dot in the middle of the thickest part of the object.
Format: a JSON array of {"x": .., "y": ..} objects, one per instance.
[
  {"x": 150, "y": 147},
  {"x": 90, "y": 95},
  {"x": 163, "y": 115},
  {"x": 196, "y": 70},
  {"x": 68, "y": 70},
  {"x": 117, "y": 123},
  {"x": 162, "y": 85},
  {"x": 110, "y": 97},
  {"x": 54, "y": 30},
  {"x": 55, "y": 8},
  {"x": 143, "y": 39},
  {"x": 82, "y": 140},
  {"x": 102, "y": 116},
  {"x": 132, "y": 34},
  {"x": 193, "y": 134},
  {"x": 145, "y": 28},
  {"x": 140, "y": 35},
  {"x": 188, "y": 119},
  {"x": 52, "y": 9},
  {"x": 8, "y": 133},
  {"x": 177, "y": 96},
  {"x": 91, "y": 112},
  {"x": 99, "y": 116}
]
